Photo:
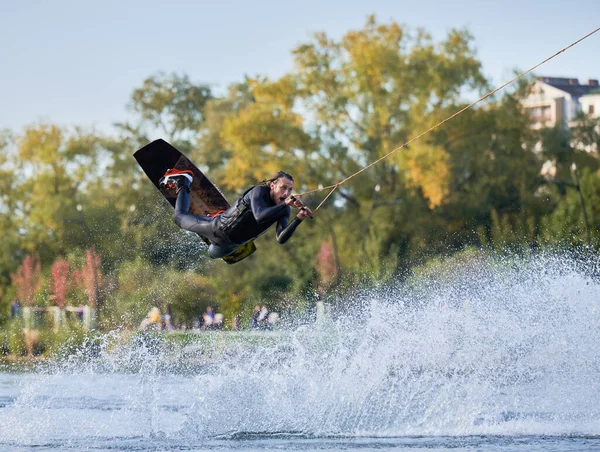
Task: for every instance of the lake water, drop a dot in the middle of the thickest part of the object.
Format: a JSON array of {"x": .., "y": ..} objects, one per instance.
[{"x": 497, "y": 355}]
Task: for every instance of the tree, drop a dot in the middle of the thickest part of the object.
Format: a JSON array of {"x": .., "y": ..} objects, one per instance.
[
  {"x": 585, "y": 134},
  {"x": 495, "y": 173},
  {"x": 89, "y": 277},
  {"x": 92, "y": 276},
  {"x": 59, "y": 166},
  {"x": 265, "y": 136},
  {"x": 27, "y": 280},
  {"x": 377, "y": 87},
  {"x": 172, "y": 104},
  {"x": 11, "y": 253},
  {"x": 565, "y": 225},
  {"x": 60, "y": 273},
  {"x": 368, "y": 93},
  {"x": 326, "y": 264}
]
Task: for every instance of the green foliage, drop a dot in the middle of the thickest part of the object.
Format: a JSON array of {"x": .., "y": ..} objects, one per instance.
[
  {"x": 52, "y": 342},
  {"x": 566, "y": 224},
  {"x": 11, "y": 247},
  {"x": 586, "y": 133},
  {"x": 171, "y": 103},
  {"x": 139, "y": 286},
  {"x": 12, "y": 340}
]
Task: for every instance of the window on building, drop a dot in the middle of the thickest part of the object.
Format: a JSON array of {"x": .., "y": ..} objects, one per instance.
[
  {"x": 591, "y": 109},
  {"x": 534, "y": 113},
  {"x": 546, "y": 113},
  {"x": 540, "y": 114}
]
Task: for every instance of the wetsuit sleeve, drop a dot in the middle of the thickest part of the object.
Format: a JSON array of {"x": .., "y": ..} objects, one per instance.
[
  {"x": 261, "y": 211},
  {"x": 285, "y": 230}
]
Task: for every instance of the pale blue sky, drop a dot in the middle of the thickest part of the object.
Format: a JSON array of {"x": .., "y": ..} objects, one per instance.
[{"x": 76, "y": 62}]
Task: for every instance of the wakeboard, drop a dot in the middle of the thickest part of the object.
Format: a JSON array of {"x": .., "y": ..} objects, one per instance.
[{"x": 205, "y": 198}]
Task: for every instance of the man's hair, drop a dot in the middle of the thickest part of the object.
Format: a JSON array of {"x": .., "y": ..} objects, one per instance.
[{"x": 277, "y": 175}]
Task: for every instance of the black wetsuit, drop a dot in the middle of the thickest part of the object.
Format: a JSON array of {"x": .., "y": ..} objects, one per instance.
[{"x": 248, "y": 218}]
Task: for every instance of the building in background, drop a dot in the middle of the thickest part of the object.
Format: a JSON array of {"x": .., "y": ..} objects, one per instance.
[
  {"x": 556, "y": 100},
  {"x": 590, "y": 104}
]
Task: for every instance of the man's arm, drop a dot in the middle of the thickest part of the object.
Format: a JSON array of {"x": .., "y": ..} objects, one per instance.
[
  {"x": 285, "y": 230},
  {"x": 261, "y": 211}
]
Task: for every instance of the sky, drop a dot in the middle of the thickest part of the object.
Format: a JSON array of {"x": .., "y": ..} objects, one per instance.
[{"x": 76, "y": 63}]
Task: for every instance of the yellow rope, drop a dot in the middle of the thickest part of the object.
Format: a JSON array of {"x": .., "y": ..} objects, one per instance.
[{"x": 335, "y": 186}]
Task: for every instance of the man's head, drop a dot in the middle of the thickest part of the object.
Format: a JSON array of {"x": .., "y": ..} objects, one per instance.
[{"x": 281, "y": 186}]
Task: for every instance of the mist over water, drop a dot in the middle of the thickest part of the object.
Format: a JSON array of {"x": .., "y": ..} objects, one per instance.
[{"x": 493, "y": 346}]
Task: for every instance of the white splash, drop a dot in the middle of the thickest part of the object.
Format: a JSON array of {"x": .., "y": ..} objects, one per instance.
[{"x": 493, "y": 346}]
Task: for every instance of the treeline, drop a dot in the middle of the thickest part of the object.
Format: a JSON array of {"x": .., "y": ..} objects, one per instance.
[{"x": 68, "y": 194}]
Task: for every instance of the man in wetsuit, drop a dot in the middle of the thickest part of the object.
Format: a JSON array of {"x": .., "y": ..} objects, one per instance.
[{"x": 248, "y": 218}]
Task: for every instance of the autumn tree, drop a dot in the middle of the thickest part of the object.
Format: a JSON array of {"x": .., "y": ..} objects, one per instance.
[
  {"x": 374, "y": 89},
  {"x": 89, "y": 277},
  {"x": 26, "y": 280},
  {"x": 325, "y": 265},
  {"x": 61, "y": 281}
]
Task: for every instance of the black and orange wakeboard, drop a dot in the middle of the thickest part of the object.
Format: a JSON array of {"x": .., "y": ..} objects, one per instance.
[{"x": 205, "y": 199}]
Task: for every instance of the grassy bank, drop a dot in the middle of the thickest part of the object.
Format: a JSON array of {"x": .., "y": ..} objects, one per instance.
[{"x": 25, "y": 349}]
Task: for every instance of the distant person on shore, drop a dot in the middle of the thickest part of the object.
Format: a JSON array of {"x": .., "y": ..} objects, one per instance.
[
  {"x": 263, "y": 317},
  {"x": 208, "y": 318},
  {"x": 255, "y": 315},
  {"x": 168, "y": 319},
  {"x": 218, "y": 321},
  {"x": 15, "y": 309},
  {"x": 272, "y": 319},
  {"x": 152, "y": 321}
]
